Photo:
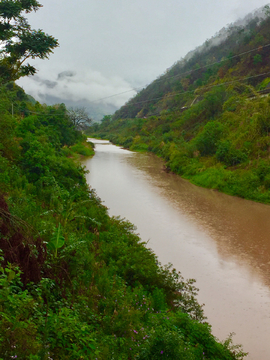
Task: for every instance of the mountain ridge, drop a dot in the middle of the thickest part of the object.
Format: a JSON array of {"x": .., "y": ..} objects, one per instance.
[{"x": 204, "y": 56}]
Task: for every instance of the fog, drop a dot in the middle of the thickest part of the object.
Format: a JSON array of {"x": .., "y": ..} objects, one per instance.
[{"x": 117, "y": 47}]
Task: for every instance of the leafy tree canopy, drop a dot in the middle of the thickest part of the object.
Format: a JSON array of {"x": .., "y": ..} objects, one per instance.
[{"x": 18, "y": 42}]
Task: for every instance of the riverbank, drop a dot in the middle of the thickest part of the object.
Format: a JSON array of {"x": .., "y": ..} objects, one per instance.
[
  {"x": 228, "y": 152},
  {"x": 76, "y": 283},
  {"x": 222, "y": 241},
  {"x": 208, "y": 116}
]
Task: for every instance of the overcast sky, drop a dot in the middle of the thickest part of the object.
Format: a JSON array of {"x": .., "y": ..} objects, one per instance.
[{"x": 111, "y": 46}]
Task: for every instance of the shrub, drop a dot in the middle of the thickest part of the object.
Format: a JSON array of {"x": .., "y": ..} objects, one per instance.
[
  {"x": 139, "y": 147},
  {"x": 206, "y": 142},
  {"x": 83, "y": 149},
  {"x": 230, "y": 156}
]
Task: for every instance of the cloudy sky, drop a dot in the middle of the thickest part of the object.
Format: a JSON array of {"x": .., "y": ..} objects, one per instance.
[{"x": 109, "y": 47}]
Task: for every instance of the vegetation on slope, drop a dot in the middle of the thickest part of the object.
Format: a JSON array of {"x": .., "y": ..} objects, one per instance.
[
  {"x": 75, "y": 283},
  {"x": 209, "y": 115}
]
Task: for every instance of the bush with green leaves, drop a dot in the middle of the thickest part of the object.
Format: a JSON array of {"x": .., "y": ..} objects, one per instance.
[
  {"x": 207, "y": 141},
  {"x": 230, "y": 156}
]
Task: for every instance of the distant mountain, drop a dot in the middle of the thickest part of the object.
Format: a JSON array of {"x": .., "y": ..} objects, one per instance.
[
  {"x": 238, "y": 51},
  {"x": 208, "y": 116}
]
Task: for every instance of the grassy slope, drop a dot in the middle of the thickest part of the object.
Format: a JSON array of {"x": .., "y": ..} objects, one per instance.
[{"x": 222, "y": 141}]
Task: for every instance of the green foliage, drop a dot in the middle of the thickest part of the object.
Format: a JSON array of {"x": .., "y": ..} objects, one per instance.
[
  {"x": 230, "y": 156},
  {"x": 67, "y": 336},
  {"x": 57, "y": 240},
  {"x": 19, "y": 334},
  {"x": 215, "y": 143},
  {"x": 265, "y": 83},
  {"x": 139, "y": 147},
  {"x": 19, "y": 42},
  {"x": 257, "y": 59},
  {"x": 84, "y": 149},
  {"x": 75, "y": 283},
  {"x": 206, "y": 142},
  {"x": 128, "y": 142}
]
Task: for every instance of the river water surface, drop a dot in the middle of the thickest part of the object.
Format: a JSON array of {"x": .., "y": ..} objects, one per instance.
[{"x": 221, "y": 241}]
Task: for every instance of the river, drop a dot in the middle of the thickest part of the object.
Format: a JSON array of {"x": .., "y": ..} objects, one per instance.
[{"x": 221, "y": 241}]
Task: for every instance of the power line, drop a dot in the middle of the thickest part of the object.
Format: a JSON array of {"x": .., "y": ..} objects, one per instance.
[
  {"x": 124, "y": 92},
  {"x": 216, "y": 62},
  {"x": 202, "y": 88},
  {"x": 174, "y": 76},
  {"x": 171, "y": 95},
  {"x": 187, "y": 72},
  {"x": 42, "y": 113}
]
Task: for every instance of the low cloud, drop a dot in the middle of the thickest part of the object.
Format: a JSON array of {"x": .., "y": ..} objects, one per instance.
[
  {"x": 92, "y": 89},
  {"x": 65, "y": 74},
  {"x": 49, "y": 84},
  {"x": 116, "y": 46}
]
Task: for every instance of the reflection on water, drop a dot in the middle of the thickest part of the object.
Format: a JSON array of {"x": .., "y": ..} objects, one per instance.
[{"x": 221, "y": 241}]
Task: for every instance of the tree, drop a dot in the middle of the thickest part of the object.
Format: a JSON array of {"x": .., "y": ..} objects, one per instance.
[
  {"x": 106, "y": 120},
  {"x": 206, "y": 141},
  {"x": 79, "y": 118},
  {"x": 18, "y": 42}
]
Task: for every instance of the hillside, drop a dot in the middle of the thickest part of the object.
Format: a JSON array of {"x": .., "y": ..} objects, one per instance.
[
  {"x": 208, "y": 116},
  {"x": 69, "y": 286},
  {"x": 75, "y": 283}
]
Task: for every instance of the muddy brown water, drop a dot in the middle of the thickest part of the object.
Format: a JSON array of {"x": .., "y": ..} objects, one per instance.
[{"x": 221, "y": 241}]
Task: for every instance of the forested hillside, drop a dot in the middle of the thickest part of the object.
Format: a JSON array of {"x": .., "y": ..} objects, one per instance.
[
  {"x": 75, "y": 283},
  {"x": 208, "y": 116}
]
